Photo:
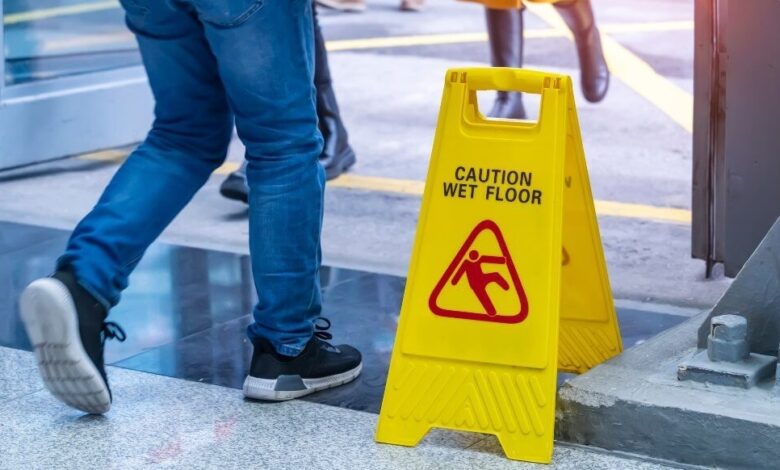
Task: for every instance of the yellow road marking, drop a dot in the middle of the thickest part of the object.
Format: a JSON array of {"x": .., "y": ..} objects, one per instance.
[
  {"x": 45, "y": 13},
  {"x": 105, "y": 156},
  {"x": 674, "y": 101},
  {"x": 375, "y": 183},
  {"x": 392, "y": 41},
  {"x": 426, "y": 40},
  {"x": 642, "y": 211},
  {"x": 415, "y": 188},
  {"x": 226, "y": 168},
  {"x": 634, "y": 72},
  {"x": 91, "y": 40}
]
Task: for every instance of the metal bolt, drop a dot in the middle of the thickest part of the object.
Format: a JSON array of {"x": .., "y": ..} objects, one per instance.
[{"x": 728, "y": 339}]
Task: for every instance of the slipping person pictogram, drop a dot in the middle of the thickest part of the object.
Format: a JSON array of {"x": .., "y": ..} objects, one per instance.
[
  {"x": 479, "y": 280},
  {"x": 470, "y": 263}
]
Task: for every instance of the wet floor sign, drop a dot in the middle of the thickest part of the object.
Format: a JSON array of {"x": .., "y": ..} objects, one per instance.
[{"x": 507, "y": 244}]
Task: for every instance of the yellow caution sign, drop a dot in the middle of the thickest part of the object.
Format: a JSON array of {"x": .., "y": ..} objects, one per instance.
[
  {"x": 477, "y": 347},
  {"x": 589, "y": 332}
]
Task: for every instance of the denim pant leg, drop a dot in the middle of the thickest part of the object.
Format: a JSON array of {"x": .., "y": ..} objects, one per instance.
[
  {"x": 188, "y": 140},
  {"x": 267, "y": 64}
]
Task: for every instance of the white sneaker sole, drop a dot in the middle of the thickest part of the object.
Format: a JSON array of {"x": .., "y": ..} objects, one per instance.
[
  {"x": 266, "y": 389},
  {"x": 50, "y": 319}
]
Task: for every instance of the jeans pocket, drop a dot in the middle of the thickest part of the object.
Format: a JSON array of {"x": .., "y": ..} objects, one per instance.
[{"x": 226, "y": 13}]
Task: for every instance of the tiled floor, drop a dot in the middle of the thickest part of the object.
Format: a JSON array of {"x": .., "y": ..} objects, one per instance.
[{"x": 185, "y": 313}]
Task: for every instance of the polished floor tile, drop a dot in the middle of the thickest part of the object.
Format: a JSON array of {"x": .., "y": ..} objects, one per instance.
[
  {"x": 174, "y": 292},
  {"x": 187, "y": 309},
  {"x": 222, "y": 355},
  {"x": 637, "y": 326},
  {"x": 18, "y": 236}
]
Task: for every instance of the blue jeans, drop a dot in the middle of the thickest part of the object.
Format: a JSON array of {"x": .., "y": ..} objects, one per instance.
[{"x": 210, "y": 62}]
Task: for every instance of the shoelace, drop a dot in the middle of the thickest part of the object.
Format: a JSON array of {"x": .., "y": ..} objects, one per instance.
[
  {"x": 321, "y": 329},
  {"x": 112, "y": 330}
]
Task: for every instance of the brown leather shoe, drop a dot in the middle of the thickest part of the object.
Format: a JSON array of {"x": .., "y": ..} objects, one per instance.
[
  {"x": 505, "y": 31},
  {"x": 594, "y": 73},
  {"x": 412, "y": 5},
  {"x": 343, "y": 5}
]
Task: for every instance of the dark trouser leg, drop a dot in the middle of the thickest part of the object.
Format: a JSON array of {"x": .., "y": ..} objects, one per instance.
[
  {"x": 321, "y": 68},
  {"x": 337, "y": 155},
  {"x": 505, "y": 32},
  {"x": 594, "y": 74}
]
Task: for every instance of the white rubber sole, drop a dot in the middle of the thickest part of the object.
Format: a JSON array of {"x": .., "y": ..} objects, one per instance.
[
  {"x": 265, "y": 389},
  {"x": 50, "y": 319}
]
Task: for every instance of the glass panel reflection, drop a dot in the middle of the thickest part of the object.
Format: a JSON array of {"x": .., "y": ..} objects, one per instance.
[{"x": 54, "y": 38}]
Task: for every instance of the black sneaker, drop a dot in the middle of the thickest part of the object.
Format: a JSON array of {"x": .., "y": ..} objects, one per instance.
[
  {"x": 319, "y": 366},
  {"x": 235, "y": 187},
  {"x": 67, "y": 329}
]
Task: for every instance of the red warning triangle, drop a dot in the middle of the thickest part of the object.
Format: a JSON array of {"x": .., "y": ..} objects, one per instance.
[{"x": 467, "y": 267}]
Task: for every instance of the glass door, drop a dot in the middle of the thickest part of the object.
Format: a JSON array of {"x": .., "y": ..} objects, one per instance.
[{"x": 72, "y": 80}]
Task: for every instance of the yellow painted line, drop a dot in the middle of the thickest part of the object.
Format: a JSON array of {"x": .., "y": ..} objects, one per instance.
[
  {"x": 85, "y": 41},
  {"x": 91, "y": 40},
  {"x": 337, "y": 45},
  {"x": 374, "y": 183},
  {"x": 106, "y": 156},
  {"x": 227, "y": 168},
  {"x": 45, "y": 13},
  {"x": 642, "y": 211},
  {"x": 407, "y": 187},
  {"x": 667, "y": 96},
  {"x": 425, "y": 40},
  {"x": 634, "y": 72},
  {"x": 462, "y": 38}
]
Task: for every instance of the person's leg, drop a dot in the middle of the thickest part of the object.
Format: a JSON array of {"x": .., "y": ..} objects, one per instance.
[
  {"x": 266, "y": 63},
  {"x": 505, "y": 32},
  {"x": 337, "y": 155},
  {"x": 594, "y": 73},
  {"x": 188, "y": 140}
]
